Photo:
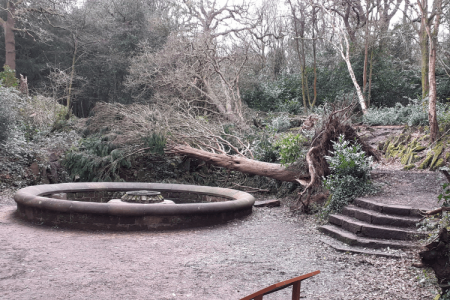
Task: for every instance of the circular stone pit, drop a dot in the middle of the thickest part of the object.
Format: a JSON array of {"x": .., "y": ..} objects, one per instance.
[{"x": 87, "y": 205}]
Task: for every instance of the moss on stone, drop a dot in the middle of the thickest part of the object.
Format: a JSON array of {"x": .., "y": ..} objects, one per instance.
[
  {"x": 409, "y": 167},
  {"x": 414, "y": 158},
  {"x": 419, "y": 148},
  {"x": 406, "y": 158},
  {"x": 390, "y": 150},
  {"x": 438, "y": 164},
  {"x": 386, "y": 144},
  {"x": 437, "y": 151},
  {"x": 426, "y": 162}
]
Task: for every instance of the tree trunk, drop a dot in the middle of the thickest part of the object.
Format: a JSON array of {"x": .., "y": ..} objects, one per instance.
[
  {"x": 314, "y": 59},
  {"x": 433, "y": 36},
  {"x": 72, "y": 74},
  {"x": 239, "y": 163},
  {"x": 10, "y": 41},
  {"x": 432, "y": 116},
  {"x": 370, "y": 78},
  {"x": 346, "y": 57},
  {"x": 366, "y": 54},
  {"x": 432, "y": 32},
  {"x": 424, "y": 56}
]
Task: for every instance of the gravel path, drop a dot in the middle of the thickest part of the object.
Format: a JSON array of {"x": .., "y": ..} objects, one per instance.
[
  {"x": 419, "y": 189},
  {"x": 221, "y": 262}
]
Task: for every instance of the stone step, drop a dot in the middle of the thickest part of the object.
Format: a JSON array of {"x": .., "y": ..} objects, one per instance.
[
  {"x": 388, "y": 209},
  {"x": 374, "y": 231},
  {"x": 354, "y": 240},
  {"x": 374, "y": 217},
  {"x": 343, "y": 247}
]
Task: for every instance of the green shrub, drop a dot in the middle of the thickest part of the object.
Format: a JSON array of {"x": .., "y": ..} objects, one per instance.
[
  {"x": 6, "y": 118},
  {"x": 263, "y": 148},
  {"x": 96, "y": 159},
  {"x": 350, "y": 174},
  {"x": 282, "y": 95},
  {"x": 155, "y": 143},
  {"x": 7, "y": 112},
  {"x": 280, "y": 123},
  {"x": 290, "y": 147},
  {"x": 412, "y": 114},
  {"x": 8, "y": 77},
  {"x": 415, "y": 113}
]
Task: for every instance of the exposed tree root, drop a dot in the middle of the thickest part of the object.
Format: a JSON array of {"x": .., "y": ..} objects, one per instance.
[
  {"x": 436, "y": 255},
  {"x": 333, "y": 126}
]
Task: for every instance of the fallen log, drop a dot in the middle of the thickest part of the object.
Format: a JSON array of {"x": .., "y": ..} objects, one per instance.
[{"x": 239, "y": 163}]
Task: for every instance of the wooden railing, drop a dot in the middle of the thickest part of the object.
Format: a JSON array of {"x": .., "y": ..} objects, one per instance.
[{"x": 295, "y": 282}]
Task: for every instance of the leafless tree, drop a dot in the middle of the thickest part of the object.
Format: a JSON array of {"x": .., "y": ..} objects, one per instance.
[
  {"x": 201, "y": 65},
  {"x": 342, "y": 44}
]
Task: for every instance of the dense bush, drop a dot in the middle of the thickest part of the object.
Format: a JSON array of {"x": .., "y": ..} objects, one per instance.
[
  {"x": 8, "y": 77},
  {"x": 280, "y": 95},
  {"x": 415, "y": 113},
  {"x": 263, "y": 148},
  {"x": 393, "y": 80},
  {"x": 96, "y": 159},
  {"x": 290, "y": 148},
  {"x": 8, "y": 97},
  {"x": 280, "y": 123},
  {"x": 350, "y": 174}
]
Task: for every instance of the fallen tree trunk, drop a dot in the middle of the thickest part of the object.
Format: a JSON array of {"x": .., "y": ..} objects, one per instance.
[{"x": 240, "y": 163}]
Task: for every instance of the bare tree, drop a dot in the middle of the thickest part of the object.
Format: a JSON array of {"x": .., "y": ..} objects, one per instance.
[
  {"x": 352, "y": 14},
  {"x": 268, "y": 37},
  {"x": 202, "y": 66},
  {"x": 342, "y": 45}
]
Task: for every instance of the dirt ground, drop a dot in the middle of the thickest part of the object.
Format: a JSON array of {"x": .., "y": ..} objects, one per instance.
[{"x": 221, "y": 262}]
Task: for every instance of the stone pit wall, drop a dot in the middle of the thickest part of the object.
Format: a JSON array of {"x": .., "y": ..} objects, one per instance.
[{"x": 83, "y": 206}]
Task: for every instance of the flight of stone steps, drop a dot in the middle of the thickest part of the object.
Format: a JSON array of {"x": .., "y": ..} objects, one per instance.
[{"x": 369, "y": 224}]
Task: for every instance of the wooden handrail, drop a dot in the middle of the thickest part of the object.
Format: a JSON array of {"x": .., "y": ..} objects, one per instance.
[{"x": 295, "y": 282}]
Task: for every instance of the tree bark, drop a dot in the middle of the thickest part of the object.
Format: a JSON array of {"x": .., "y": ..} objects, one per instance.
[
  {"x": 72, "y": 73},
  {"x": 432, "y": 31},
  {"x": 314, "y": 20},
  {"x": 432, "y": 115},
  {"x": 239, "y": 163},
  {"x": 424, "y": 51},
  {"x": 346, "y": 58},
  {"x": 10, "y": 41}
]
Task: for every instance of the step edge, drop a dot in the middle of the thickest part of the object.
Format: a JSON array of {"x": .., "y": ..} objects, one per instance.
[
  {"x": 364, "y": 241},
  {"x": 383, "y": 227}
]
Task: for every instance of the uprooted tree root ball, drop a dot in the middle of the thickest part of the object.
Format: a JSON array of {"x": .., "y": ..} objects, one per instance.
[{"x": 333, "y": 126}]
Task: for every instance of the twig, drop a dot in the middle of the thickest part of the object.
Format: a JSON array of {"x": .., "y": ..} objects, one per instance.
[{"x": 436, "y": 211}]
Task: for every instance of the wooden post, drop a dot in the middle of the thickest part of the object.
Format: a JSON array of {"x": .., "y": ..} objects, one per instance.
[{"x": 296, "y": 290}]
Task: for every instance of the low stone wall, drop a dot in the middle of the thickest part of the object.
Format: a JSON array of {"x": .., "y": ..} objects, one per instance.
[{"x": 84, "y": 206}]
